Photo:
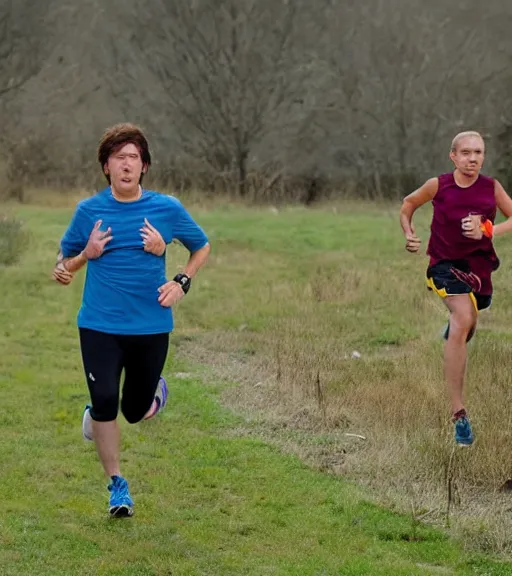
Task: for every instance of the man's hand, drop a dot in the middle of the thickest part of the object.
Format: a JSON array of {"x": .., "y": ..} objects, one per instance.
[
  {"x": 170, "y": 293},
  {"x": 471, "y": 226},
  {"x": 152, "y": 239},
  {"x": 96, "y": 243},
  {"x": 61, "y": 275},
  {"x": 413, "y": 243}
]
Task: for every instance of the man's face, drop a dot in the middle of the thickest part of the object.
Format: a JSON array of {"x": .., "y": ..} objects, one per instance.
[
  {"x": 469, "y": 155},
  {"x": 125, "y": 167}
]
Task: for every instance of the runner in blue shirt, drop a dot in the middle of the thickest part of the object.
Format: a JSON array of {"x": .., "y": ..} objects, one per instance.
[{"x": 126, "y": 313}]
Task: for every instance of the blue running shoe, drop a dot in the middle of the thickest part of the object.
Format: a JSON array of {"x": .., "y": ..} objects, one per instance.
[
  {"x": 463, "y": 433},
  {"x": 121, "y": 503},
  {"x": 87, "y": 424},
  {"x": 161, "y": 393},
  {"x": 161, "y": 398}
]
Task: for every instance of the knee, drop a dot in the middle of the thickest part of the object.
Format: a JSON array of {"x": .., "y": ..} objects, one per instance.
[
  {"x": 462, "y": 323},
  {"x": 133, "y": 414},
  {"x": 132, "y": 417},
  {"x": 104, "y": 410}
]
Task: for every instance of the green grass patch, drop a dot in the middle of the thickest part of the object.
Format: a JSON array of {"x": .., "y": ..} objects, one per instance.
[{"x": 207, "y": 502}]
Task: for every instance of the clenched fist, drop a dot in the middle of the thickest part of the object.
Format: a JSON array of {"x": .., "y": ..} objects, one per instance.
[{"x": 413, "y": 243}]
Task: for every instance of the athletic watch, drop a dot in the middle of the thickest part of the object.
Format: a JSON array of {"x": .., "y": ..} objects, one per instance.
[{"x": 184, "y": 281}]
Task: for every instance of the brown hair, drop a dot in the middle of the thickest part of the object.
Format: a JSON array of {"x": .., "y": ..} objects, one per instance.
[{"x": 118, "y": 136}]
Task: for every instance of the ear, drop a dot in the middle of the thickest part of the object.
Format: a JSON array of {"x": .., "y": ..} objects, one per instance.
[
  {"x": 105, "y": 169},
  {"x": 144, "y": 168}
]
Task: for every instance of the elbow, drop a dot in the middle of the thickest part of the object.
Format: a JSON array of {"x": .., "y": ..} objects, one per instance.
[
  {"x": 201, "y": 254},
  {"x": 407, "y": 208}
]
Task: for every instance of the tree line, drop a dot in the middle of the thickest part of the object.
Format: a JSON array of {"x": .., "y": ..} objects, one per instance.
[{"x": 265, "y": 99}]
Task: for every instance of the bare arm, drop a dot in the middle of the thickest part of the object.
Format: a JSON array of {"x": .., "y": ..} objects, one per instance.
[
  {"x": 171, "y": 292},
  {"x": 504, "y": 204},
  {"x": 410, "y": 204},
  {"x": 196, "y": 260},
  {"x": 75, "y": 262},
  {"x": 65, "y": 268}
]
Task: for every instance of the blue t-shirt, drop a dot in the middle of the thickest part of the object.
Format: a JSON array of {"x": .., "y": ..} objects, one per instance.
[{"x": 121, "y": 286}]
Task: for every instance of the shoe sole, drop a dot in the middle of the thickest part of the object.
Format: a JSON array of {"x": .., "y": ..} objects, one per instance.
[{"x": 120, "y": 511}]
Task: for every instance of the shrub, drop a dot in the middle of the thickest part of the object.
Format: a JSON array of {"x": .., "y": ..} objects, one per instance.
[{"x": 14, "y": 239}]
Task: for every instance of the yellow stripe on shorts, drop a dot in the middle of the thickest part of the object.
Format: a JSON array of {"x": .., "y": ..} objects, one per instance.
[{"x": 442, "y": 292}]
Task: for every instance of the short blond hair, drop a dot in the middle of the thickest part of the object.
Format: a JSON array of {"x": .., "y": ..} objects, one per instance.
[{"x": 462, "y": 135}]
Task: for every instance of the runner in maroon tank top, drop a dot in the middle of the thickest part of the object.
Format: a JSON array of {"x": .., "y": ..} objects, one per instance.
[{"x": 461, "y": 251}]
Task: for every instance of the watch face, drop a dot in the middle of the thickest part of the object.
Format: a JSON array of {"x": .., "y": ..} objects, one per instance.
[{"x": 183, "y": 280}]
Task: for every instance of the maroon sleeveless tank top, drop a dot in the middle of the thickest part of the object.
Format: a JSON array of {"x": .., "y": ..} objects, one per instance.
[{"x": 451, "y": 204}]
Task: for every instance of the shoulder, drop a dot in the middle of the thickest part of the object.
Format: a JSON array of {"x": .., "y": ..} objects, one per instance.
[
  {"x": 164, "y": 201},
  {"x": 432, "y": 182},
  {"x": 444, "y": 182},
  {"x": 445, "y": 178},
  {"x": 94, "y": 202},
  {"x": 159, "y": 197},
  {"x": 431, "y": 186},
  {"x": 487, "y": 180},
  {"x": 498, "y": 187}
]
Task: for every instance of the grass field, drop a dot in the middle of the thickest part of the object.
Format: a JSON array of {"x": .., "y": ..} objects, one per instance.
[{"x": 261, "y": 477}]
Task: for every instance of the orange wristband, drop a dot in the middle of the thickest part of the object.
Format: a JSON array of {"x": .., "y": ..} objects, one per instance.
[{"x": 487, "y": 228}]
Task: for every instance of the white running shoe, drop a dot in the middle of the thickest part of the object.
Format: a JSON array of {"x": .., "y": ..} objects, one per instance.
[{"x": 87, "y": 424}]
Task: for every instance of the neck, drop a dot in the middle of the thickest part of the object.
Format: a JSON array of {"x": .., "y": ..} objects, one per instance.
[
  {"x": 126, "y": 196},
  {"x": 464, "y": 180}
]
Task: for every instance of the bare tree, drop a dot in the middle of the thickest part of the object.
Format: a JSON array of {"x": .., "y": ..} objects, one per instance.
[
  {"x": 268, "y": 92},
  {"x": 19, "y": 58},
  {"x": 399, "y": 79},
  {"x": 230, "y": 70},
  {"x": 27, "y": 37}
]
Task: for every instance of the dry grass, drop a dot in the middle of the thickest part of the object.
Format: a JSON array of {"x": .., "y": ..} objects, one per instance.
[{"x": 289, "y": 339}]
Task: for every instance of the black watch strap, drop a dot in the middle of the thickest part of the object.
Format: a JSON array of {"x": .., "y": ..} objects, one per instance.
[{"x": 184, "y": 281}]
